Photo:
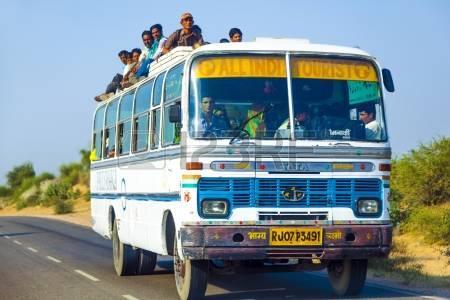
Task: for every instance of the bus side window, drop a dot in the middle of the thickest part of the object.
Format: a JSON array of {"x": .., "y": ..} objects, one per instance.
[
  {"x": 96, "y": 150},
  {"x": 157, "y": 93},
  {"x": 172, "y": 131},
  {"x": 156, "y": 121},
  {"x": 124, "y": 129},
  {"x": 172, "y": 95},
  {"x": 141, "y": 116},
  {"x": 156, "y": 112},
  {"x": 110, "y": 130}
]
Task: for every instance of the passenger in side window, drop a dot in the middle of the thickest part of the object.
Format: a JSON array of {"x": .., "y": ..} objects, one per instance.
[
  {"x": 235, "y": 35},
  {"x": 114, "y": 85},
  {"x": 185, "y": 36},
  {"x": 158, "y": 41}
]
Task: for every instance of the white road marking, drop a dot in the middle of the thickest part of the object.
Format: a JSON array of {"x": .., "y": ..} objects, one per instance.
[
  {"x": 7, "y": 237},
  {"x": 32, "y": 249},
  {"x": 129, "y": 297},
  {"x": 17, "y": 242},
  {"x": 87, "y": 275},
  {"x": 53, "y": 259}
]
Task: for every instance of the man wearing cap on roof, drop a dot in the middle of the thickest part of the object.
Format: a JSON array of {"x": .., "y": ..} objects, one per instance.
[{"x": 185, "y": 36}]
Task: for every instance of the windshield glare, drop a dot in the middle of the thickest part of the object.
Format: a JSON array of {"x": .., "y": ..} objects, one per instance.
[{"x": 247, "y": 96}]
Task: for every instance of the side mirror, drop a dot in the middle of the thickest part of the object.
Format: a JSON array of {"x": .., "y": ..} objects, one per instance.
[
  {"x": 175, "y": 113},
  {"x": 388, "y": 81}
]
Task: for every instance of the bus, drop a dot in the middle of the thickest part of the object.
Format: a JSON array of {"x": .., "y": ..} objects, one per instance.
[{"x": 271, "y": 154}]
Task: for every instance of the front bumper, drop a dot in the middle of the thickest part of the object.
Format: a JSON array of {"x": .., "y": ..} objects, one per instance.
[{"x": 235, "y": 243}]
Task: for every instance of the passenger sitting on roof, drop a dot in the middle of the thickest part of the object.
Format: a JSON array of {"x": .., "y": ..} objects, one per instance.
[
  {"x": 235, "y": 35},
  {"x": 114, "y": 85},
  {"x": 145, "y": 59},
  {"x": 128, "y": 69},
  {"x": 185, "y": 36},
  {"x": 158, "y": 41},
  {"x": 224, "y": 40},
  {"x": 130, "y": 78}
]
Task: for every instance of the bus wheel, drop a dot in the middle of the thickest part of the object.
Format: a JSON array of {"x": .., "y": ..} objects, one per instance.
[
  {"x": 146, "y": 262},
  {"x": 124, "y": 256},
  {"x": 347, "y": 277},
  {"x": 191, "y": 276}
]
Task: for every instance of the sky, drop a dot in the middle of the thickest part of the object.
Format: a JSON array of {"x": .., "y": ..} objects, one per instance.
[{"x": 57, "y": 55}]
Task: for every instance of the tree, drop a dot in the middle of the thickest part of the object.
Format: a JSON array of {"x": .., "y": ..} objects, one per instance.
[{"x": 18, "y": 174}]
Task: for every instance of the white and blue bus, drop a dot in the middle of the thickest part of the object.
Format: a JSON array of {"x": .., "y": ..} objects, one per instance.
[{"x": 273, "y": 152}]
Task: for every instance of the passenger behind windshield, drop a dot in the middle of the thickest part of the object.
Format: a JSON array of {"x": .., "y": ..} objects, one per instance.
[{"x": 213, "y": 122}]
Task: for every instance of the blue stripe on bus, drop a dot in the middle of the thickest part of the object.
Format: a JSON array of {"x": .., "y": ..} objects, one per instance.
[{"x": 139, "y": 197}]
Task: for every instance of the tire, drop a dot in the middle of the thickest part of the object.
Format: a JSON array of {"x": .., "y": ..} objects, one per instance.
[
  {"x": 347, "y": 277},
  {"x": 146, "y": 262},
  {"x": 191, "y": 276},
  {"x": 124, "y": 256}
]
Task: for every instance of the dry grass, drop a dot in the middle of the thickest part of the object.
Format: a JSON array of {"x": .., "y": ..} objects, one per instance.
[{"x": 415, "y": 263}]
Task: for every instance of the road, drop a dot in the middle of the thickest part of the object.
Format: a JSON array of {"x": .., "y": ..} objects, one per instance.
[{"x": 49, "y": 259}]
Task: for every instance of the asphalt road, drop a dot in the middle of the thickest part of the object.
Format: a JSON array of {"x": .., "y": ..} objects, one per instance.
[{"x": 49, "y": 259}]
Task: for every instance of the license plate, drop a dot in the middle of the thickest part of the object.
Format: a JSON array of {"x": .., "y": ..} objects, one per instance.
[{"x": 289, "y": 236}]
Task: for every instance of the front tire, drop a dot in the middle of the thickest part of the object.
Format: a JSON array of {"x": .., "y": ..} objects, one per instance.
[
  {"x": 191, "y": 276},
  {"x": 347, "y": 277},
  {"x": 124, "y": 256}
]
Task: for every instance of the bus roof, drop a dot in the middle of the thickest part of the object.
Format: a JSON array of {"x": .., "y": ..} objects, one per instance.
[
  {"x": 283, "y": 44},
  {"x": 260, "y": 44}
]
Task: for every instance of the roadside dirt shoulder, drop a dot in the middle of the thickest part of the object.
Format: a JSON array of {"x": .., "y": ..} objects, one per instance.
[{"x": 81, "y": 214}]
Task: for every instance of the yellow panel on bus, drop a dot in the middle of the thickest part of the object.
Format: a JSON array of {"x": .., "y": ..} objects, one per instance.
[
  {"x": 243, "y": 66},
  {"x": 336, "y": 69}
]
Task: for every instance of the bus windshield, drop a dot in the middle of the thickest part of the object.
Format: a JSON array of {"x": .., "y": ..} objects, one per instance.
[{"x": 333, "y": 99}]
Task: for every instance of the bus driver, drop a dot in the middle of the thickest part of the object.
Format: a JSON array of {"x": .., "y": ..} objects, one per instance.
[{"x": 212, "y": 121}]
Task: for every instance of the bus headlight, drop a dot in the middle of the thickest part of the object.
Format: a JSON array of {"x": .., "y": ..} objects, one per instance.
[
  {"x": 215, "y": 208},
  {"x": 368, "y": 206}
]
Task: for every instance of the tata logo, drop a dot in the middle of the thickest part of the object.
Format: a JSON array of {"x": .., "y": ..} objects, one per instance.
[{"x": 293, "y": 194}]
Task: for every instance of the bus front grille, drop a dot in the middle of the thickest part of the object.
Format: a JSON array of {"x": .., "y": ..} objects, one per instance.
[{"x": 269, "y": 192}]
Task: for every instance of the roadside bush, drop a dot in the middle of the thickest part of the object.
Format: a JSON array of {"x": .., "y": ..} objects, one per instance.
[
  {"x": 60, "y": 195},
  {"x": 70, "y": 173},
  {"x": 32, "y": 199},
  {"x": 44, "y": 177},
  {"x": 431, "y": 222},
  {"x": 63, "y": 206}
]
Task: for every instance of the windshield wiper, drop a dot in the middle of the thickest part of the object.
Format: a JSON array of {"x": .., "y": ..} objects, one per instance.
[{"x": 241, "y": 129}]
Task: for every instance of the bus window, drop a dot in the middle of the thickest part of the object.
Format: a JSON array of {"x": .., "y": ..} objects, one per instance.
[
  {"x": 141, "y": 113},
  {"x": 110, "y": 130},
  {"x": 124, "y": 128},
  {"x": 238, "y": 95},
  {"x": 157, "y": 91},
  {"x": 156, "y": 121},
  {"x": 336, "y": 99},
  {"x": 172, "y": 86},
  {"x": 96, "y": 152},
  {"x": 171, "y": 131},
  {"x": 143, "y": 97}
]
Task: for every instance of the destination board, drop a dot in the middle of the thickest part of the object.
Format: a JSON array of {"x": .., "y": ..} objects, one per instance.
[
  {"x": 318, "y": 68},
  {"x": 242, "y": 66}
]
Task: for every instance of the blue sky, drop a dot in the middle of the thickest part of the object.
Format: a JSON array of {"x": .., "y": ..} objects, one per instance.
[{"x": 57, "y": 55}]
